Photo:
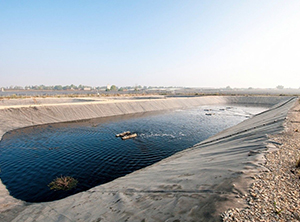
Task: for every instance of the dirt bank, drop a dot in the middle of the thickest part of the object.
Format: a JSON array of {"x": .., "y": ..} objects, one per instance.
[{"x": 275, "y": 192}]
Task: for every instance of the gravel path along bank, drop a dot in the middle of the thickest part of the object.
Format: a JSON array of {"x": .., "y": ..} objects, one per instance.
[{"x": 275, "y": 193}]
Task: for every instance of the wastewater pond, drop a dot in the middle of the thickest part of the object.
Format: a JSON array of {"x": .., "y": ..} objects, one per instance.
[{"x": 89, "y": 151}]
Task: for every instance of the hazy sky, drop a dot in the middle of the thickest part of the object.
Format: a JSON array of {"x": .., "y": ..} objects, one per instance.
[{"x": 150, "y": 42}]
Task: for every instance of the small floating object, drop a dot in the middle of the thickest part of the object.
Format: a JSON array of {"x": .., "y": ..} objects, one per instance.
[
  {"x": 209, "y": 114},
  {"x": 133, "y": 135},
  {"x": 123, "y": 134}
]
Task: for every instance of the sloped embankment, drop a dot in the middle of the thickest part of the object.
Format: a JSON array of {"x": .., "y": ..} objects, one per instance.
[{"x": 184, "y": 187}]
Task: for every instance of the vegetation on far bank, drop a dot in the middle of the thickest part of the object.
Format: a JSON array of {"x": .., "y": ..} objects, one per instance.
[{"x": 132, "y": 94}]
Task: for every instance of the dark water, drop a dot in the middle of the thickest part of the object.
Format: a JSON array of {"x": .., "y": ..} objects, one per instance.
[{"x": 31, "y": 158}]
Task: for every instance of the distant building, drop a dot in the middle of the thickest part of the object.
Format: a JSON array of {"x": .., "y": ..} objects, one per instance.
[
  {"x": 2, "y": 89},
  {"x": 87, "y": 89},
  {"x": 108, "y": 87}
]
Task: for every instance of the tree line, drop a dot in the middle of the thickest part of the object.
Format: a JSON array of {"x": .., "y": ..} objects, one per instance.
[
  {"x": 81, "y": 87},
  {"x": 74, "y": 87}
]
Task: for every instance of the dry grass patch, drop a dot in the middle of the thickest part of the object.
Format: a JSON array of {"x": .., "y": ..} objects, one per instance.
[{"x": 63, "y": 183}]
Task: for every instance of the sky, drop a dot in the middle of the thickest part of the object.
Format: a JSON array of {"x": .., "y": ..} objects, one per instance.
[{"x": 190, "y": 43}]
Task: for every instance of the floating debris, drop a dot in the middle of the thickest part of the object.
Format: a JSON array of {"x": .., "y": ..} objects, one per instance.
[
  {"x": 123, "y": 134},
  {"x": 133, "y": 135},
  {"x": 126, "y": 135}
]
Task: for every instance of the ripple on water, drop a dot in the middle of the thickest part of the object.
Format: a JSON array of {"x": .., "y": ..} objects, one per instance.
[{"x": 31, "y": 158}]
